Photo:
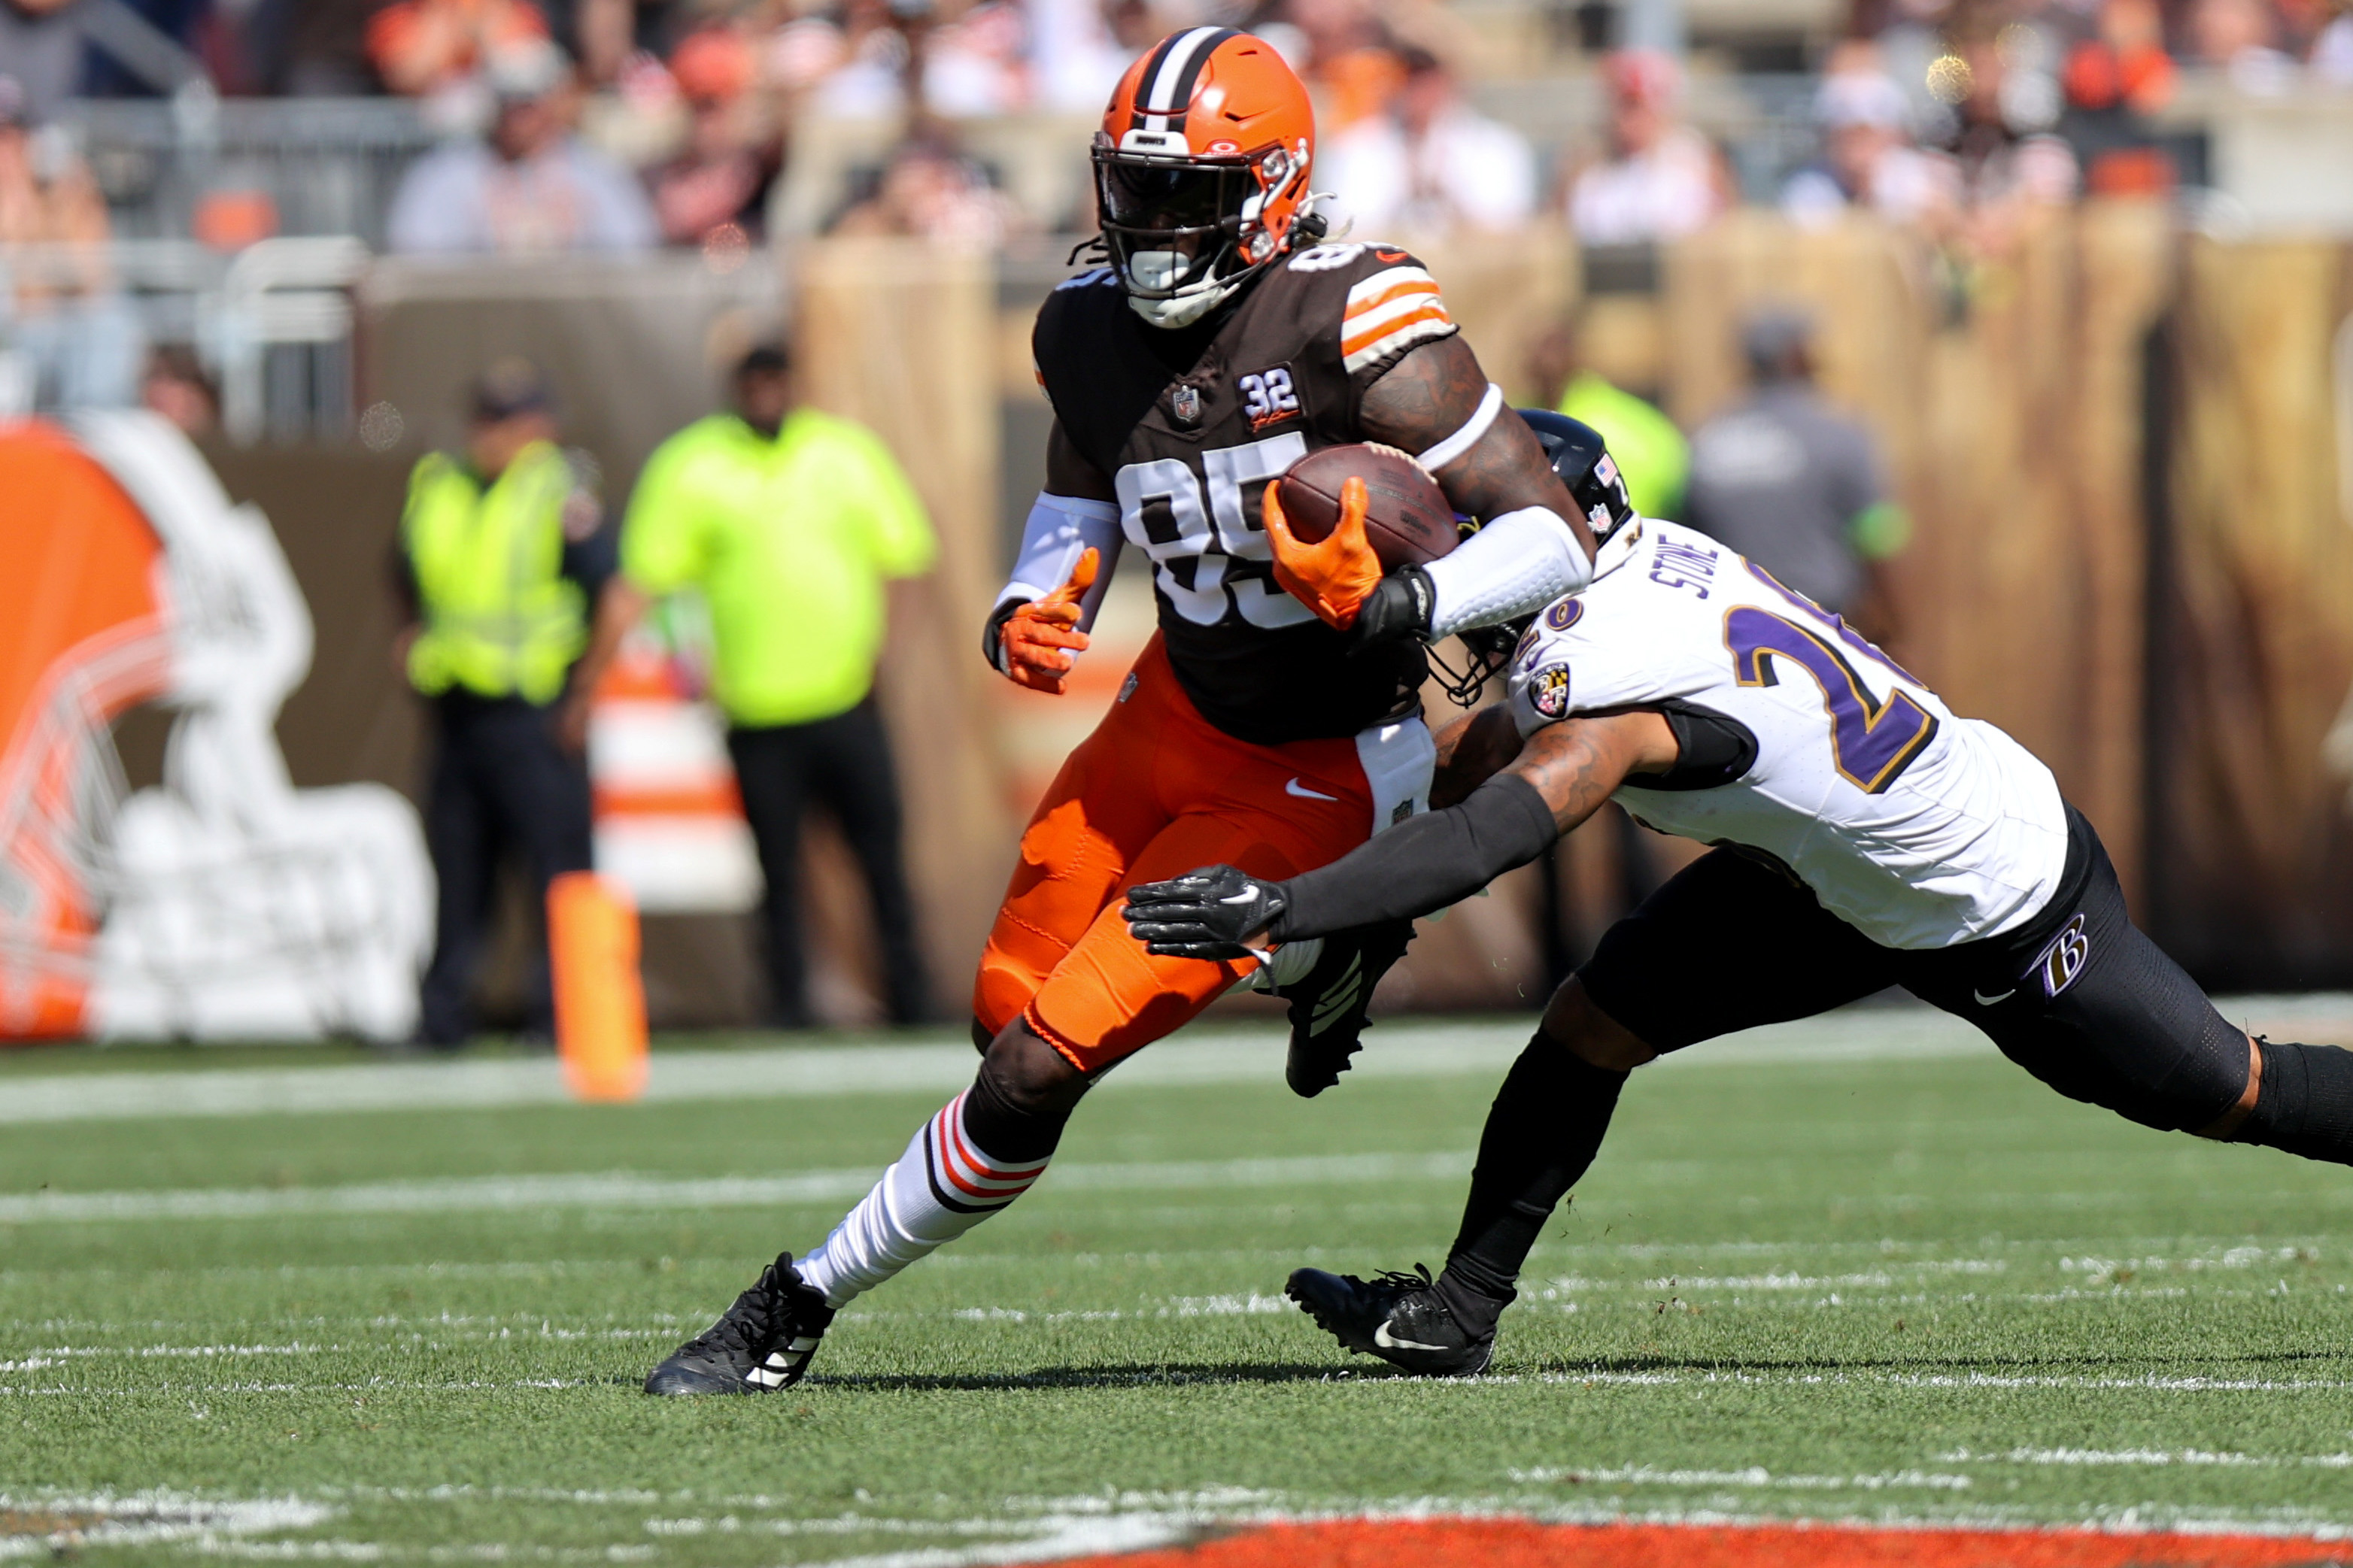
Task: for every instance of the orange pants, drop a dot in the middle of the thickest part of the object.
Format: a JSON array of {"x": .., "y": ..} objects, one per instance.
[{"x": 1155, "y": 791}]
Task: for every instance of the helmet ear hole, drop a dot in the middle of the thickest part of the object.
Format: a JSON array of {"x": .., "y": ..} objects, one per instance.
[{"x": 1576, "y": 453}]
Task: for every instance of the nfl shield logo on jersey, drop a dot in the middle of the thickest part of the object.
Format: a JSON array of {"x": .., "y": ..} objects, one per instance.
[{"x": 1186, "y": 404}]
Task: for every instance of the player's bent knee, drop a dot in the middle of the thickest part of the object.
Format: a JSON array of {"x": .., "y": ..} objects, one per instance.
[
  {"x": 1573, "y": 1020},
  {"x": 1027, "y": 1073}
]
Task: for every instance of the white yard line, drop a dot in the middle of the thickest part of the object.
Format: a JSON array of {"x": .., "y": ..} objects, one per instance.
[
  {"x": 1477, "y": 1047},
  {"x": 142, "y": 1518},
  {"x": 1062, "y": 1537},
  {"x": 2191, "y": 1457},
  {"x": 624, "y": 1190},
  {"x": 1756, "y": 1476},
  {"x": 1367, "y": 1380},
  {"x": 1045, "y": 1528}
]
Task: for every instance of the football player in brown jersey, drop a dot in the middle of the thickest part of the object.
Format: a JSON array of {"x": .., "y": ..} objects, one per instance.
[{"x": 1222, "y": 341}]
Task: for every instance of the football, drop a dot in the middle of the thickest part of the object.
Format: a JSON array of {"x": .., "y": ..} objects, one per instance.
[{"x": 1408, "y": 521}]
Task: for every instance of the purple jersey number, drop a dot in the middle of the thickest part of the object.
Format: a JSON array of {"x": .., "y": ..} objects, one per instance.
[{"x": 1871, "y": 741}]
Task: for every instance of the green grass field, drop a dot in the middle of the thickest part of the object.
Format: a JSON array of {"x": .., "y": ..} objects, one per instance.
[{"x": 1861, "y": 1270}]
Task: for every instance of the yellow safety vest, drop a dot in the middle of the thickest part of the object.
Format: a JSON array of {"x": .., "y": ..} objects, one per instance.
[{"x": 501, "y": 619}]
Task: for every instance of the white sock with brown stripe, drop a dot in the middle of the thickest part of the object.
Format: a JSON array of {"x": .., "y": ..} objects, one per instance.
[{"x": 941, "y": 1187}]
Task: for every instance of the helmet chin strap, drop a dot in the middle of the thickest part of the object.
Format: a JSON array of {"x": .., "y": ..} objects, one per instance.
[{"x": 1181, "y": 311}]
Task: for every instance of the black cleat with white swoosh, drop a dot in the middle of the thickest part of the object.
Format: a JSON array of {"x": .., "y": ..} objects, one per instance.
[
  {"x": 764, "y": 1341},
  {"x": 1401, "y": 1317},
  {"x": 1328, "y": 1005}
]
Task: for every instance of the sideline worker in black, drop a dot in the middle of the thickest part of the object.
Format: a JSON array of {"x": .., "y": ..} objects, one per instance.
[{"x": 502, "y": 556}]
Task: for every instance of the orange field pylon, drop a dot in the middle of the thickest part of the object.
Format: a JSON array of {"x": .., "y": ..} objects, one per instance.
[{"x": 600, "y": 999}]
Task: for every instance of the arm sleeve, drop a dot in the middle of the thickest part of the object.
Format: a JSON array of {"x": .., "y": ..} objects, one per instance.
[
  {"x": 403, "y": 576},
  {"x": 1059, "y": 531},
  {"x": 661, "y": 544},
  {"x": 591, "y": 562},
  {"x": 899, "y": 532},
  {"x": 1423, "y": 864},
  {"x": 1518, "y": 562}
]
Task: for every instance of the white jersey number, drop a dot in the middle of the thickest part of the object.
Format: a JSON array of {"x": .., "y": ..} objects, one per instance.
[{"x": 1211, "y": 535}]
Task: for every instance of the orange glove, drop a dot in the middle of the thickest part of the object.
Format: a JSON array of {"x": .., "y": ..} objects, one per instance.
[
  {"x": 1042, "y": 639},
  {"x": 1334, "y": 576}
]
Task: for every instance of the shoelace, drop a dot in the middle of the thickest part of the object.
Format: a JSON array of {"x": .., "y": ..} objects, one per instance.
[
  {"x": 1398, "y": 1282},
  {"x": 741, "y": 1330}
]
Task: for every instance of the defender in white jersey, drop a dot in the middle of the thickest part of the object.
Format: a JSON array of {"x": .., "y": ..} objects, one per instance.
[
  {"x": 1865, "y": 837},
  {"x": 1918, "y": 828}
]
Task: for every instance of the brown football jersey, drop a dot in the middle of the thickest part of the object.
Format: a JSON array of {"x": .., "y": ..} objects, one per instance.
[{"x": 1191, "y": 423}]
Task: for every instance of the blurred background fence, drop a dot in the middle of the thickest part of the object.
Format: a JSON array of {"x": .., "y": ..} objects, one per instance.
[
  {"x": 2084, "y": 270},
  {"x": 2124, "y": 466}
]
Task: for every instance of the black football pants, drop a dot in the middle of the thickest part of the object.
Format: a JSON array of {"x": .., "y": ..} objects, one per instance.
[
  {"x": 501, "y": 785},
  {"x": 2079, "y": 998},
  {"x": 844, "y": 762}
]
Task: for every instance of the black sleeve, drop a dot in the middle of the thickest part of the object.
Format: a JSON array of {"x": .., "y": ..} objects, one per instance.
[
  {"x": 992, "y": 631},
  {"x": 402, "y": 572},
  {"x": 1423, "y": 864},
  {"x": 593, "y": 562}
]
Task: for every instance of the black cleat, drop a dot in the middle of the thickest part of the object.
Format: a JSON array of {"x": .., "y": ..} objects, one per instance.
[
  {"x": 764, "y": 1340},
  {"x": 1328, "y": 1005},
  {"x": 1400, "y": 1318}
]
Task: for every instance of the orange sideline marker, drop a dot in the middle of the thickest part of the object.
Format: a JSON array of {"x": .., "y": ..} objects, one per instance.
[{"x": 600, "y": 1000}]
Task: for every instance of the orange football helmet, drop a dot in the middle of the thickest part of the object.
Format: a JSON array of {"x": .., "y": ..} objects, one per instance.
[{"x": 1201, "y": 170}]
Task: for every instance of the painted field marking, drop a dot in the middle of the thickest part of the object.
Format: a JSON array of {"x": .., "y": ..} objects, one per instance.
[
  {"x": 1340, "y": 1376},
  {"x": 1483, "y": 1047},
  {"x": 1526, "y": 1544},
  {"x": 38, "y": 1524},
  {"x": 1754, "y": 1476},
  {"x": 1259, "y": 1531},
  {"x": 2186, "y": 1456},
  {"x": 630, "y": 1189},
  {"x": 625, "y": 1190}
]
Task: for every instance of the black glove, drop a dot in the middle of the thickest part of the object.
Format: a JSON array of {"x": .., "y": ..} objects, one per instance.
[
  {"x": 1208, "y": 913},
  {"x": 1397, "y": 608}
]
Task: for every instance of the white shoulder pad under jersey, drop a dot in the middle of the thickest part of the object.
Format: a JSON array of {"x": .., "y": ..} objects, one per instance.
[{"x": 1919, "y": 829}]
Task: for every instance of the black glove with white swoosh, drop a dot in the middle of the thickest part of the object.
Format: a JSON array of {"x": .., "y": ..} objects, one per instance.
[{"x": 1210, "y": 913}]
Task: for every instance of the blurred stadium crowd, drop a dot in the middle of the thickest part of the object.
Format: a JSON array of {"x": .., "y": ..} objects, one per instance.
[{"x": 488, "y": 127}]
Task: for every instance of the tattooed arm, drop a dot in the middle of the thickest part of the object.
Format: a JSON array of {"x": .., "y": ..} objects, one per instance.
[
  {"x": 1577, "y": 764},
  {"x": 1532, "y": 545},
  {"x": 1471, "y": 751},
  {"x": 1435, "y": 390}
]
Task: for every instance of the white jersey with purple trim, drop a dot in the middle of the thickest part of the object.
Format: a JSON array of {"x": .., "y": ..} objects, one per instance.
[{"x": 1919, "y": 829}]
